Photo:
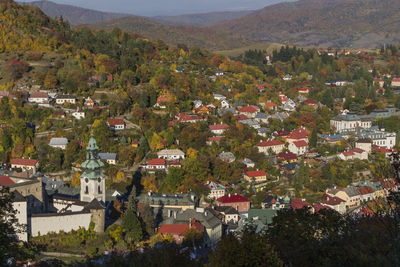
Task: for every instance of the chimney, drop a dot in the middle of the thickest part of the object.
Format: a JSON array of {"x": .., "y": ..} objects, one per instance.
[
  {"x": 229, "y": 195},
  {"x": 190, "y": 222}
]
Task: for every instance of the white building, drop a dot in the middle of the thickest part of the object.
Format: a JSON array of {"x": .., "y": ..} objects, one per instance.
[
  {"x": 355, "y": 153},
  {"x": 38, "y": 97},
  {"x": 274, "y": 146},
  {"x": 298, "y": 147},
  {"x": 110, "y": 158},
  {"x": 218, "y": 129},
  {"x": 78, "y": 115},
  {"x": 217, "y": 190},
  {"x": 364, "y": 144},
  {"x": 171, "y": 154},
  {"x": 21, "y": 214},
  {"x": 61, "y": 99},
  {"x": 350, "y": 122},
  {"x": 378, "y": 137},
  {"x": 59, "y": 142}
]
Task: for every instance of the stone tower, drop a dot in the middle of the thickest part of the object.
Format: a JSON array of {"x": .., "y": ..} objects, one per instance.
[{"x": 92, "y": 178}]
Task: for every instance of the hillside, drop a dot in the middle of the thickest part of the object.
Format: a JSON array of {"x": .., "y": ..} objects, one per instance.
[
  {"x": 356, "y": 23},
  {"x": 25, "y": 28},
  {"x": 74, "y": 15},
  {"x": 189, "y": 35},
  {"x": 199, "y": 19}
]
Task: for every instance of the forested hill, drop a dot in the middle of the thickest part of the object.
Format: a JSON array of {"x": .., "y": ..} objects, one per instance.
[
  {"x": 75, "y": 15},
  {"x": 188, "y": 35},
  {"x": 357, "y": 23},
  {"x": 28, "y": 28}
]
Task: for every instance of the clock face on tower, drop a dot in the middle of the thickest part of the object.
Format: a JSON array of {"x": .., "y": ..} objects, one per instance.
[
  {"x": 86, "y": 180},
  {"x": 99, "y": 180}
]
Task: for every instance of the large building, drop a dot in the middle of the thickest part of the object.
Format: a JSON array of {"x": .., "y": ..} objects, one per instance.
[
  {"x": 350, "y": 122},
  {"x": 377, "y": 136}
]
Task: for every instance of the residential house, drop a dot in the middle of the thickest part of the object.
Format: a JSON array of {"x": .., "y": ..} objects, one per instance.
[
  {"x": 78, "y": 114},
  {"x": 213, "y": 139},
  {"x": 171, "y": 154},
  {"x": 389, "y": 186},
  {"x": 299, "y": 203},
  {"x": 274, "y": 146},
  {"x": 385, "y": 113},
  {"x": 60, "y": 142},
  {"x": 178, "y": 231},
  {"x": 262, "y": 117},
  {"x": 395, "y": 82},
  {"x": 366, "y": 193},
  {"x": 249, "y": 111},
  {"x": 174, "y": 163},
  {"x": 332, "y": 138},
  {"x": 162, "y": 102},
  {"x": 89, "y": 102},
  {"x": 379, "y": 81},
  {"x": 300, "y": 134},
  {"x": 337, "y": 82},
  {"x": 225, "y": 104},
  {"x": 256, "y": 176},
  {"x": 156, "y": 165},
  {"x": 311, "y": 103},
  {"x": 287, "y": 77},
  {"x": 317, "y": 207},
  {"x": 379, "y": 137},
  {"x": 364, "y": 144},
  {"x": 350, "y": 122},
  {"x": 349, "y": 194},
  {"x": 283, "y": 98},
  {"x": 298, "y": 147},
  {"x": 238, "y": 202},
  {"x": 227, "y": 156},
  {"x": 262, "y": 131},
  {"x": 218, "y": 129},
  {"x": 304, "y": 90},
  {"x": 335, "y": 203},
  {"x": 61, "y": 99},
  {"x": 387, "y": 151},
  {"x": 189, "y": 118},
  {"x": 38, "y": 97},
  {"x": 281, "y": 133},
  {"x": 261, "y": 218},
  {"x": 229, "y": 214},
  {"x": 355, "y": 153},
  {"x": 110, "y": 158},
  {"x": 251, "y": 123},
  {"x": 376, "y": 187},
  {"x": 275, "y": 203},
  {"x": 170, "y": 203},
  {"x": 197, "y": 104},
  {"x": 116, "y": 124},
  {"x": 25, "y": 164},
  {"x": 247, "y": 162},
  {"x": 289, "y": 105},
  {"x": 219, "y": 97},
  {"x": 217, "y": 190},
  {"x": 270, "y": 106},
  {"x": 287, "y": 157}
]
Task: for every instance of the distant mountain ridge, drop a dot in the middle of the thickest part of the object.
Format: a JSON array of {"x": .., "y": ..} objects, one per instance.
[
  {"x": 336, "y": 23},
  {"x": 75, "y": 15}
]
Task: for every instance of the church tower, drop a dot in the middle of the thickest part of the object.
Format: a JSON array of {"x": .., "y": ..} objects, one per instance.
[{"x": 92, "y": 178}]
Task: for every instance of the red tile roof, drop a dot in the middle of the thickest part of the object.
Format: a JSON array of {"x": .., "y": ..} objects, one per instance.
[
  {"x": 300, "y": 143},
  {"x": 300, "y": 133},
  {"x": 179, "y": 229},
  {"x": 298, "y": 203},
  {"x": 270, "y": 105},
  {"x": 318, "y": 206},
  {"x": 26, "y": 162},
  {"x": 331, "y": 200},
  {"x": 115, "y": 121},
  {"x": 281, "y": 133},
  {"x": 216, "y": 127},
  {"x": 388, "y": 184},
  {"x": 156, "y": 162},
  {"x": 311, "y": 102},
  {"x": 270, "y": 143},
  {"x": 38, "y": 95},
  {"x": 163, "y": 99},
  {"x": 232, "y": 199},
  {"x": 240, "y": 117},
  {"x": 256, "y": 173},
  {"x": 304, "y": 90},
  {"x": 6, "y": 181},
  {"x": 358, "y": 150},
  {"x": 188, "y": 117},
  {"x": 348, "y": 153},
  {"x": 214, "y": 139},
  {"x": 249, "y": 109},
  {"x": 365, "y": 190},
  {"x": 286, "y": 156}
]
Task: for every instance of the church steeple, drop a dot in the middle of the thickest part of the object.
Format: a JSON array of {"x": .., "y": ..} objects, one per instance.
[{"x": 92, "y": 178}]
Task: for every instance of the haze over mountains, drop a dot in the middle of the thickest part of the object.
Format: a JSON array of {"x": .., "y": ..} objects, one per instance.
[{"x": 325, "y": 23}]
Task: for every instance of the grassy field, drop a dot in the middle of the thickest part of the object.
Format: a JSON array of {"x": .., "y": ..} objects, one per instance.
[{"x": 269, "y": 47}]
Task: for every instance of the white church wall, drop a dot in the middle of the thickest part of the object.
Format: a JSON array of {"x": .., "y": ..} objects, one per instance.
[
  {"x": 22, "y": 217},
  {"x": 43, "y": 224}
]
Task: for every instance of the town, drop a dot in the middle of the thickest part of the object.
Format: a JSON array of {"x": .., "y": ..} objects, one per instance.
[{"x": 189, "y": 146}]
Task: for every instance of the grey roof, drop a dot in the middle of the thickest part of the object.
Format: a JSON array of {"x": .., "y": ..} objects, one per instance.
[
  {"x": 206, "y": 218},
  {"x": 106, "y": 156},
  {"x": 66, "y": 97},
  {"x": 263, "y": 130},
  {"x": 226, "y": 156},
  {"x": 18, "y": 197},
  {"x": 351, "y": 191},
  {"x": 261, "y": 115},
  {"x": 226, "y": 209},
  {"x": 263, "y": 215},
  {"x": 172, "y": 199},
  {"x": 94, "y": 205},
  {"x": 58, "y": 141}
]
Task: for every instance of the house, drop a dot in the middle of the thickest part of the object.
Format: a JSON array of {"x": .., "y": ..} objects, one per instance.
[
  {"x": 260, "y": 218},
  {"x": 38, "y": 97},
  {"x": 395, "y": 82},
  {"x": 379, "y": 81},
  {"x": 219, "y": 97},
  {"x": 280, "y": 116},
  {"x": 156, "y": 165},
  {"x": 376, "y": 187},
  {"x": 262, "y": 131},
  {"x": 171, "y": 154},
  {"x": 251, "y": 123},
  {"x": 387, "y": 151},
  {"x": 281, "y": 133},
  {"x": 110, "y": 158},
  {"x": 283, "y": 98},
  {"x": 255, "y": 176},
  {"x": 217, "y": 190},
  {"x": 262, "y": 117},
  {"x": 311, "y": 103},
  {"x": 59, "y": 142},
  {"x": 317, "y": 207},
  {"x": 227, "y": 156},
  {"x": 349, "y": 194},
  {"x": 25, "y": 164},
  {"x": 197, "y": 104},
  {"x": 6, "y": 181},
  {"x": 219, "y": 72},
  {"x": 218, "y": 129},
  {"x": 189, "y": 118},
  {"x": 332, "y": 138},
  {"x": 260, "y": 88},
  {"x": 78, "y": 115},
  {"x": 61, "y": 99},
  {"x": 355, "y": 153},
  {"x": 116, "y": 124},
  {"x": 275, "y": 203},
  {"x": 270, "y": 106},
  {"x": 304, "y": 90},
  {"x": 287, "y": 157},
  {"x": 214, "y": 139},
  {"x": 162, "y": 102},
  {"x": 300, "y": 134},
  {"x": 249, "y": 111},
  {"x": 378, "y": 136},
  {"x": 174, "y": 163},
  {"x": 298, "y": 147},
  {"x": 238, "y": 202},
  {"x": 289, "y": 105},
  {"x": 178, "y": 231},
  {"x": 385, "y": 113},
  {"x": 389, "y": 185},
  {"x": 299, "y": 203},
  {"x": 350, "y": 122},
  {"x": 366, "y": 193},
  {"x": 335, "y": 203},
  {"x": 225, "y": 104},
  {"x": 287, "y": 77},
  {"x": 247, "y": 162},
  {"x": 229, "y": 214},
  {"x": 90, "y": 103},
  {"x": 274, "y": 146},
  {"x": 203, "y": 110},
  {"x": 364, "y": 144}
]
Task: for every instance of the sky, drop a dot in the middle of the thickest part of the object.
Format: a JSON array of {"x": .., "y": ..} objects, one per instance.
[{"x": 167, "y": 7}]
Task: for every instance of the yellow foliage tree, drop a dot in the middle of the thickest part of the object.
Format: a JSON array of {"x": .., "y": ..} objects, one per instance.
[
  {"x": 192, "y": 153},
  {"x": 120, "y": 176},
  {"x": 76, "y": 181}
]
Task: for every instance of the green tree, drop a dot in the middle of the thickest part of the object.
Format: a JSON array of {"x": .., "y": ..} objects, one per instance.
[{"x": 174, "y": 178}]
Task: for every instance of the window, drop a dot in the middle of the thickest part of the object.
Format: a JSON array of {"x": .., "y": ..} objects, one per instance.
[
  {"x": 98, "y": 189},
  {"x": 86, "y": 190}
]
